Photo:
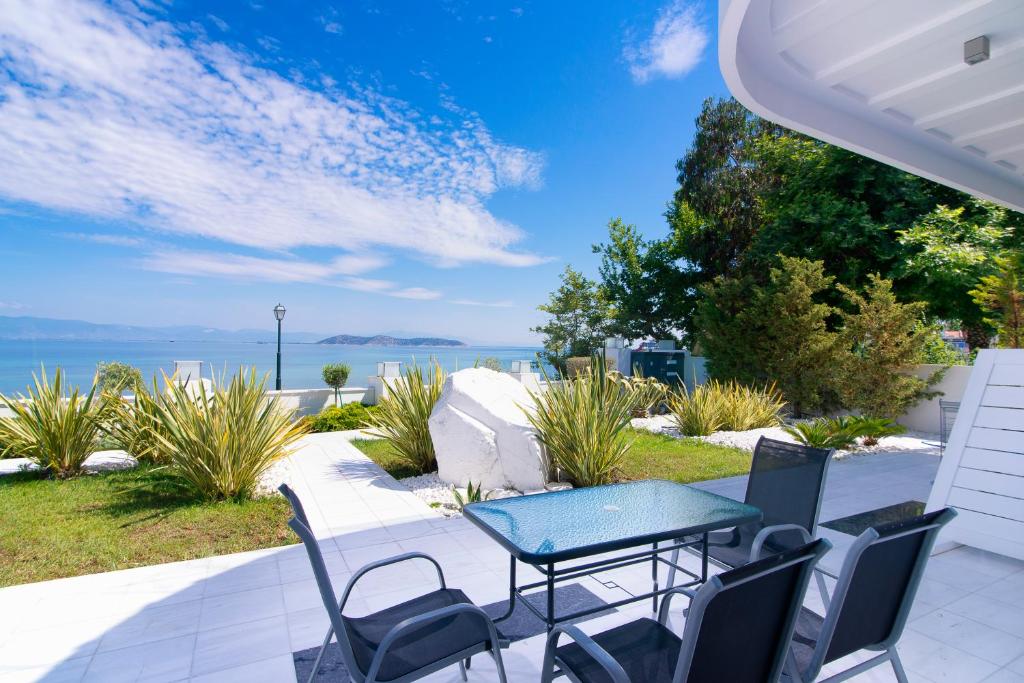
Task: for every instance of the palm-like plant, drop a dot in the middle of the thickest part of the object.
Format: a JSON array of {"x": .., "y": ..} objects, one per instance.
[
  {"x": 751, "y": 407},
  {"x": 697, "y": 412},
  {"x": 55, "y": 427},
  {"x": 402, "y": 417},
  {"x": 730, "y": 405},
  {"x": 842, "y": 432},
  {"x": 221, "y": 443},
  {"x": 582, "y": 423},
  {"x": 135, "y": 426}
]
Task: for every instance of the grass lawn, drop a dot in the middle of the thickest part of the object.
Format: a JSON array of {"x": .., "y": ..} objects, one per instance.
[
  {"x": 653, "y": 456},
  {"x": 115, "y": 520},
  {"x": 381, "y": 452},
  {"x": 656, "y": 456}
]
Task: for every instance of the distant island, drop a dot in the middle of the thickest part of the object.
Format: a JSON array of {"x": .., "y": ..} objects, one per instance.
[{"x": 385, "y": 340}]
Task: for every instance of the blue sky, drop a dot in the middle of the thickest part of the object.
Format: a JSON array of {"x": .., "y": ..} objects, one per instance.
[{"x": 426, "y": 167}]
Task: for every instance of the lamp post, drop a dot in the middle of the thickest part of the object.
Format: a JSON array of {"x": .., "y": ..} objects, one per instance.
[{"x": 279, "y": 314}]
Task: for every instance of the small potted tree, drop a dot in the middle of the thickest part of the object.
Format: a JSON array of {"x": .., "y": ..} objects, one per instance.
[{"x": 335, "y": 375}]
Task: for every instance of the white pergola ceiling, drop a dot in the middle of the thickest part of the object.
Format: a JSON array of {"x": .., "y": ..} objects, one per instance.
[{"x": 887, "y": 79}]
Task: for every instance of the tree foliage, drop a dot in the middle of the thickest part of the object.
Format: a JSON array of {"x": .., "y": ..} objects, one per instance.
[
  {"x": 115, "y": 377},
  {"x": 776, "y": 332},
  {"x": 1001, "y": 296},
  {"x": 883, "y": 339},
  {"x": 578, "y": 319},
  {"x": 335, "y": 376}
]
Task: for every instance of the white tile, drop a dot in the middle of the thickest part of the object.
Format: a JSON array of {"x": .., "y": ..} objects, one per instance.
[
  {"x": 991, "y": 611},
  {"x": 1005, "y": 676},
  {"x": 241, "y": 644},
  {"x": 153, "y": 623},
  {"x": 237, "y": 608},
  {"x": 939, "y": 662},
  {"x": 272, "y": 670},
  {"x": 243, "y": 577},
  {"x": 162, "y": 661},
  {"x": 971, "y": 636},
  {"x": 68, "y": 671}
]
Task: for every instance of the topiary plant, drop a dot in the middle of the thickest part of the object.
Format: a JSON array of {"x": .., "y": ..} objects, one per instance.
[{"x": 335, "y": 376}]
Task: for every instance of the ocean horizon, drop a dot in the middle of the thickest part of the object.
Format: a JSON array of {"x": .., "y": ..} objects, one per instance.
[{"x": 301, "y": 363}]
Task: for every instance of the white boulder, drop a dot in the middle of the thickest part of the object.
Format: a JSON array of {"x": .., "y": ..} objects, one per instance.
[{"x": 481, "y": 433}]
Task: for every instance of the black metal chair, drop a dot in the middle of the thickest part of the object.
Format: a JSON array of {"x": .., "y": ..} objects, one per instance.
[
  {"x": 787, "y": 483},
  {"x": 874, "y": 593},
  {"x": 407, "y": 641},
  {"x": 758, "y": 603}
]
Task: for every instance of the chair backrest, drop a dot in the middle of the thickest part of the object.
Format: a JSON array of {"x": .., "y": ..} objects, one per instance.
[
  {"x": 876, "y": 587},
  {"x": 787, "y": 483},
  {"x": 741, "y": 622},
  {"x": 327, "y": 594},
  {"x": 297, "y": 509}
]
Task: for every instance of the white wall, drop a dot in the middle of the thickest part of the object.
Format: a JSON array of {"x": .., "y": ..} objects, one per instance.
[
  {"x": 312, "y": 401},
  {"x": 924, "y": 417}
]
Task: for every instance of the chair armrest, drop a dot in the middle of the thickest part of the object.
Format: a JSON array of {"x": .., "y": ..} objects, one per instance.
[
  {"x": 666, "y": 598},
  {"x": 419, "y": 621},
  {"x": 366, "y": 569},
  {"x": 600, "y": 655},
  {"x": 763, "y": 534}
]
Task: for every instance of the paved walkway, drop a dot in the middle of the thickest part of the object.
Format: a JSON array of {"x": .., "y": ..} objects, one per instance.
[{"x": 239, "y": 617}]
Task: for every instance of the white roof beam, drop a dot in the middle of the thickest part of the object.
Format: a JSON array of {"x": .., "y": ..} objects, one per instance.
[
  {"x": 811, "y": 21},
  {"x": 882, "y": 51},
  {"x": 1006, "y": 152},
  {"x": 953, "y": 114},
  {"x": 974, "y": 136}
]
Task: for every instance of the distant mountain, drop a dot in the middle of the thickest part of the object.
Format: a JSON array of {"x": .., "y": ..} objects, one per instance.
[
  {"x": 24, "y": 328},
  {"x": 386, "y": 340}
]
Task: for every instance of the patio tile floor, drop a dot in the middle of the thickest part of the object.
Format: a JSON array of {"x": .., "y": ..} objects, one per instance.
[{"x": 239, "y": 617}]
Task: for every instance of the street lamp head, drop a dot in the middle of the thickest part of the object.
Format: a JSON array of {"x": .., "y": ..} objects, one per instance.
[{"x": 279, "y": 312}]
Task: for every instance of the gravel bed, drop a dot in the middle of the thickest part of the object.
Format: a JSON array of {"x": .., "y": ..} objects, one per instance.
[
  {"x": 910, "y": 441},
  {"x": 439, "y": 495}
]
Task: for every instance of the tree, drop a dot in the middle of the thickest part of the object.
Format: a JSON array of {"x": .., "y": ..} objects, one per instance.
[
  {"x": 578, "y": 319},
  {"x": 648, "y": 294},
  {"x": 492, "y": 363},
  {"x": 717, "y": 211},
  {"x": 775, "y": 332},
  {"x": 1001, "y": 296},
  {"x": 949, "y": 251},
  {"x": 115, "y": 377},
  {"x": 882, "y": 340},
  {"x": 335, "y": 376}
]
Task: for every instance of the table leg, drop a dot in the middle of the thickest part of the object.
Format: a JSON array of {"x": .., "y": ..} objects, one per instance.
[
  {"x": 511, "y": 589},
  {"x": 654, "y": 577},
  {"x": 551, "y": 597},
  {"x": 704, "y": 560}
]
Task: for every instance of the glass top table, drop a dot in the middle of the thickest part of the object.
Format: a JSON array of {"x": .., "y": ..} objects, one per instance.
[
  {"x": 564, "y": 525},
  {"x": 550, "y": 528}
]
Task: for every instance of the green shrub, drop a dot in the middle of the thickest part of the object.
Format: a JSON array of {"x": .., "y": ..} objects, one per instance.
[
  {"x": 335, "y": 376},
  {"x": 341, "y": 418},
  {"x": 729, "y": 406},
  {"x": 883, "y": 339},
  {"x": 491, "y": 363},
  {"x": 936, "y": 350},
  {"x": 842, "y": 432},
  {"x": 55, "y": 427},
  {"x": 401, "y": 417},
  {"x": 581, "y": 422},
  {"x": 116, "y": 378},
  {"x": 222, "y": 443}
]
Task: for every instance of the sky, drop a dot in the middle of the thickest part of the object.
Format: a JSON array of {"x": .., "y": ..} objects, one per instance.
[{"x": 416, "y": 167}]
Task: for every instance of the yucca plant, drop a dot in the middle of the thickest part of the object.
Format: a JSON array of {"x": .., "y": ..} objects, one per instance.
[
  {"x": 582, "y": 423},
  {"x": 402, "y": 416},
  {"x": 647, "y": 392},
  {"x": 54, "y": 426},
  {"x": 221, "y": 443},
  {"x": 747, "y": 407},
  {"x": 474, "y": 494},
  {"x": 699, "y": 412},
  {"x": 134, "y": 426}
]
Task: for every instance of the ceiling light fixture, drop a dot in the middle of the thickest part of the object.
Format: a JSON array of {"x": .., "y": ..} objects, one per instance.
[{"x": 976, "y": 50}]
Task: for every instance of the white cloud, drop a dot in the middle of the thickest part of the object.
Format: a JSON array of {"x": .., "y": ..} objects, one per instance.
[
  {"x": 488, "y": 304},
  {"x": 101, "y": 238},
  {"x": 12, "y": 305},
  {"x": 339, "y": 272},
  {"x": 115, "y": 115},
  {"x": 675, "y": 46}
]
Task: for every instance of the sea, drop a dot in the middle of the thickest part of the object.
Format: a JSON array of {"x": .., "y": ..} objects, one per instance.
[{"x": 300, "y": 363}]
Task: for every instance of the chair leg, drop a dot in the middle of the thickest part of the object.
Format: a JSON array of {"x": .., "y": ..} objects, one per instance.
[
  {"x": 671, "y": 580},
  {"x": 547, "y": 670},
  {"x": 897, "y": 665},
  {"x": 320, "y": 655},
  {"x": 462, "y": 671},
  {"x": 823, "y": 589},
  {"x": 469, "y": 662},
  {"x": 496, "y": 653}
]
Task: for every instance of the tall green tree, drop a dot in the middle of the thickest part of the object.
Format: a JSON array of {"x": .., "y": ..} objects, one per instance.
[
  {"x": 648, "y": 294},
  {"x": 776, "y": 332},
  {"x": 949, "y": 250},
  {"x": 578, "y": 319},
  {"x": 717, "y": 210},
  {"x": 1001, "y": 296}
]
